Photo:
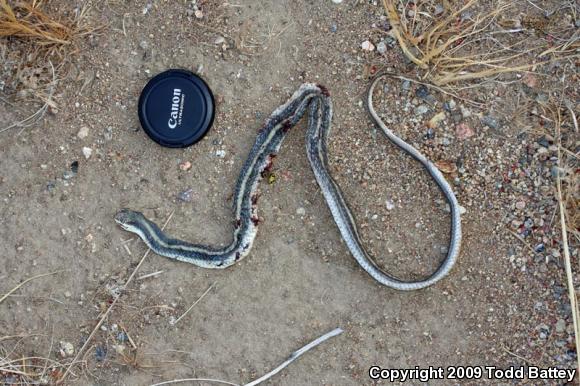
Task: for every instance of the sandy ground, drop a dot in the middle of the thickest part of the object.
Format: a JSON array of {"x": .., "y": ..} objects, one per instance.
[{"x": 300, "y": 280}]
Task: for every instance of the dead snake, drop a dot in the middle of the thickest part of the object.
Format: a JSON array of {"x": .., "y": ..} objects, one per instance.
[{"x": 315, "y": 99}]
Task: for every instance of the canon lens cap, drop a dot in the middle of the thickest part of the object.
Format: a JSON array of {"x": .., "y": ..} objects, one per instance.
[{"x": 176, "y": 108}]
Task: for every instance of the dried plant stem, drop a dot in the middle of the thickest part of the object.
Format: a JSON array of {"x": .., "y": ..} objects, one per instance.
[
  {"x": 26, "y": 281},
  {"x": 195, "y": 380},
  {"x": 296, "y": 354},
  {"x": 565, "y": 246},
  {"x": 397, "y": 28},
  {"x": 194, "y": 303}
]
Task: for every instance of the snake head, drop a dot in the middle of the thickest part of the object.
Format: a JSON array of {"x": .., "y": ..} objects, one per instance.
[{"x": 128, "y": 219}]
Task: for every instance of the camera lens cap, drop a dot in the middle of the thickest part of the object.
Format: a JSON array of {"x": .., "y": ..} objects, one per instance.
[{"x": 176, "y": 108}]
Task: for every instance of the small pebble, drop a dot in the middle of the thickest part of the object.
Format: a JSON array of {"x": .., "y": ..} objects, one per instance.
[
  {"x": 464, "y": 131},
  {"x": 67, "y": 349},
  {"x": 390, "y": 205},
  {"x": 449, "y": 105},
  {"x": 100, "y": 353},
  {"x": 381, "y": 48},
  {"x": 122, "y": 337},
  {"x": 219, "y": 40},
  {"x": 490, "y": 122},
  {"x": 333, "y": 28},
  {"x": 83, "y": 132},
  {"x": 87, "y": 152},
  {"x": 465, "y": 112},
  {"x": 300, "y": 211},
  {"x": 367, "y": 46},
  {"x": 198, "y": 14},
  {"x": 186, "y": 195},
  {"x": 185, "y": 166},
  {"x": 558, "y": 171},
  {"x": 220, "y": 153},
  {"x": 560, "y": 325},
  {"x": 520, "y": 205},
  {"x": 543, "y": 141},
  {"x": 421, "y": 110},
  {"x": 422, "y": 92}
]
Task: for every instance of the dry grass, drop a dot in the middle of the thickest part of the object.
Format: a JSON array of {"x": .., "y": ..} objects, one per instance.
[
  {"x": 568, "y": 196},
  {"x": 36, "y": 47},
  {"x": 471, "y": 42},
  {"x": 26, "y": 20}
]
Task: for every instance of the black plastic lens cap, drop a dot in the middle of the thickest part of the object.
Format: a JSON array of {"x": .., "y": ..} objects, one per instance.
[{"x": 176, "y": 108}]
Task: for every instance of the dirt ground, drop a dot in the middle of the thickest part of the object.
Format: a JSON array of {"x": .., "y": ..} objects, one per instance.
[{"x": 501, "y": 305}]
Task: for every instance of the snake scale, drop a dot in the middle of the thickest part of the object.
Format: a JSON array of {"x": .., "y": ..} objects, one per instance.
[{"x": 314, "y": 100}]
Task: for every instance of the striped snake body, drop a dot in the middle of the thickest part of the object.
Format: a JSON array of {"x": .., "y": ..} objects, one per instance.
[{"x": 316, "y": 100}]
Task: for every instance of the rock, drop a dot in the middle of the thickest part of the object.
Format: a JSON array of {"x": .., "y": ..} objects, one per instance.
[
  {"x": 185, "y": 166},
  {"x": 430, "y": 133},
  {"x": 87, "y": 152},
  {"x": 219, "y": 40},
  {"x": 83, "y": 132},
  {"x": 198, "y": 14},
  {"x": 367, "y": 46},
  {"x": 122, "y": 337},
  {"x": 520, "y": 205},
  {"x": 544, "y": 331},
  {"x": 333, "y": 28},
  {"x": 381, "y": 48},
  {"x": 421, "y": 110},
  {"x": 390, "y": 204},
  {"x": 560, "y": 325},
  {"x": 74, "y": 168},
  {"x": 490, "y": 122},
  {"x": 542, "y": 98},
  {"x": 300, "y": 211},
  {"x": 465, "y": 112},
  {"x": 530, "y": 80},
  {"x": 422, "y": 92},
  {"x": 337, "y": 1},
  {"x": 464, "y": 131},
  {"x": 558, "y": 171},
  {"x": 220, "y": 153},
  {"x": 186, "y": 195},
  {"x": 66, "y": 349},
  {"x": 543, "y": 141},
  {"x": 100, "y": 353},
  {"x": 108, "y": 133},
  {"x": 447, "y": 167},
  {"x": 449, "y": 105},
  {"x": 437, "y": 118}
]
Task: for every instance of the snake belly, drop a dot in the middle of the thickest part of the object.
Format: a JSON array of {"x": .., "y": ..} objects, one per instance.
[{"x": 314, "y": 100}]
